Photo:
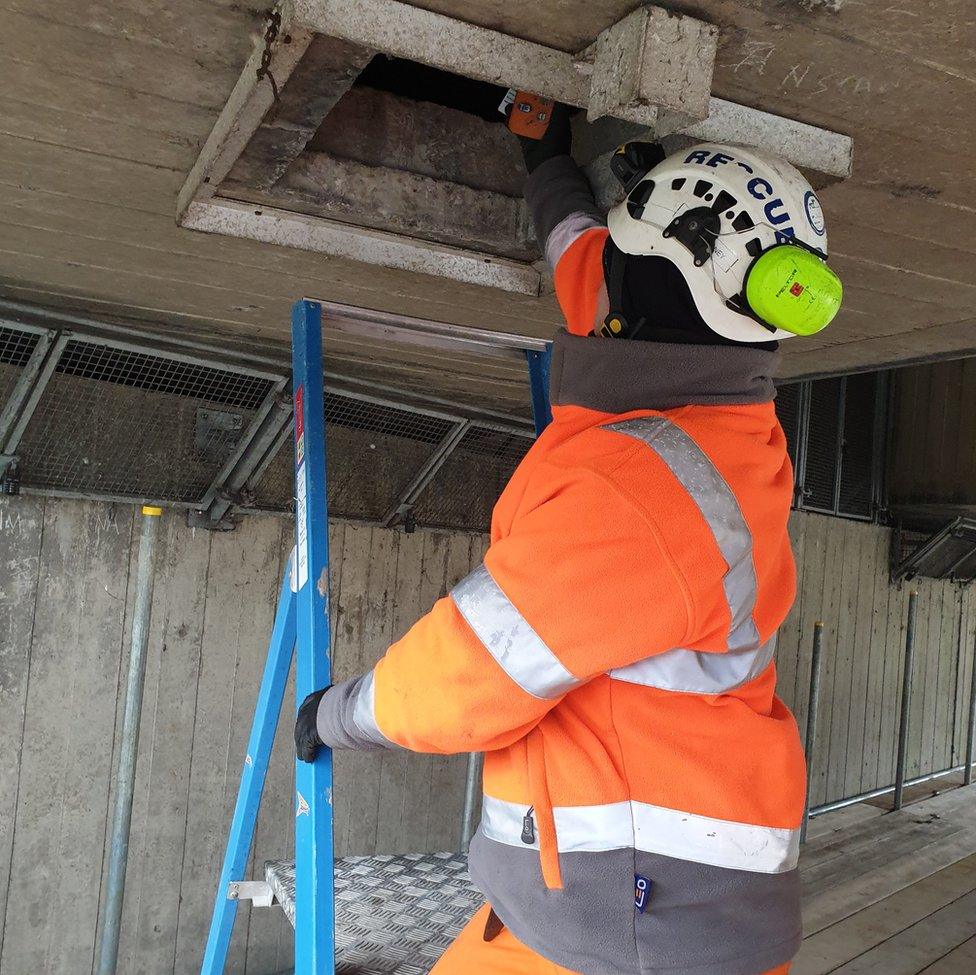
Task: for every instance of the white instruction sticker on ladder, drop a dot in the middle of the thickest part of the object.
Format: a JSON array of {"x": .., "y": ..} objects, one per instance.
[{"x": 301, "y": 507}]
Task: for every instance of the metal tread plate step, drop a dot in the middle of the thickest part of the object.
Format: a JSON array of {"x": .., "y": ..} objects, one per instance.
[{"x": 395, "y": 914}]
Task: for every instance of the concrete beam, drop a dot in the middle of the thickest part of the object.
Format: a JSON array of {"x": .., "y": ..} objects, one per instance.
[
  {"x": 824, "y": 157},
  {"x": 379, "y": 128},
  {"x": 398, "y": 201},
  {"x": 274, "y": 226},
  {"x": 245, "y": 109},
  {"x": 653, "y": 59},
  {"x": 321, "y": 78}
]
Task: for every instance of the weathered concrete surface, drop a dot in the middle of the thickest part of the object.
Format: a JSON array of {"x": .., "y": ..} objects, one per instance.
[
  {"x": 104, "y": 108},
  {"x": 393, "y": 199},
  {"x": 319, "y": 81},
  {"x": 652, "y": 57},
  {"x": 213, "y": 607},
  {"x": 212, "y": 611},
  {"x": 378, "y": 128}
]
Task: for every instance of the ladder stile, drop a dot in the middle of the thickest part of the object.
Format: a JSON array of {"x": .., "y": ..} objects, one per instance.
[{"x": 314, "y": 865}]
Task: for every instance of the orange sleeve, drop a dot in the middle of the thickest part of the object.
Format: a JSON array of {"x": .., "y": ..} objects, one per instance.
[
  {"x": 582, "y": 585},
  {"x": 579, "y": 282}
]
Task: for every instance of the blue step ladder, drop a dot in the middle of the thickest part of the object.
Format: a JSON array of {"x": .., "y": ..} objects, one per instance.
[{"x": 383, "y": 904}]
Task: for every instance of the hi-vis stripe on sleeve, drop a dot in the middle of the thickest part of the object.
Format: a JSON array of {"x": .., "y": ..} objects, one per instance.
[
  {"x": 652, "y": 829},
  {"x": 364, "y": 713},
  {"x": 747, "y": 658},
  {"x": 565, "y": 233},
  {"x": 509, "y": 638}
]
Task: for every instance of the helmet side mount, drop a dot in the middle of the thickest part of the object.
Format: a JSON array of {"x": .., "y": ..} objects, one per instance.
[{"x": 697, "y": 229}]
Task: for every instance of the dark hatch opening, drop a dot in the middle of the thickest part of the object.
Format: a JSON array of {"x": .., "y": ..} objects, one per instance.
[{"x": 422, "y": 83}]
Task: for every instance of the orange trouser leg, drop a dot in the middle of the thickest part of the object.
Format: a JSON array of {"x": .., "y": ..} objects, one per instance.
[{"x": 504, "y": 955}]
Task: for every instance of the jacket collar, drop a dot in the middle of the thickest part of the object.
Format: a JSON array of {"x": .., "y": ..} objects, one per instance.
[{"x": 615, "y": 376}]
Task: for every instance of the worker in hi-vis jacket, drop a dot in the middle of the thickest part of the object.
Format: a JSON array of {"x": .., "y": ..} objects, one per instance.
[{"x": 613, "y": 654}]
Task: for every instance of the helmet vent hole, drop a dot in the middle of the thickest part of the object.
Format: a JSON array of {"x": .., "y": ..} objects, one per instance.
[
  {"x": 702, "y": 187},
  {"x": 754, "y": 247},
  {"x": 676, "y": 184},
  {"x": 638, "y": 198},
  {"x": 724, "y": 201},
  {"x": 742, "y": 222}
]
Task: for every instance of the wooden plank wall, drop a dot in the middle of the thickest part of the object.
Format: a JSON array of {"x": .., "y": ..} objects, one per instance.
[
  {"x": 68, "y": 571},
  {"x": 65, "y": 606},
  {"x": 842, "y": 569}
]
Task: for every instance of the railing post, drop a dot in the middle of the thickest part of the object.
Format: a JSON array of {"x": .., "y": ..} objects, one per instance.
[
  {"x": 906, "y": 701},
  {"x": 812, "y": 708},
  {"x": 539, "y": 364},
  {"x": 472, "y": 783},
  {"x": 125, "y": 776},
  {"x": 971, "y": 728}
]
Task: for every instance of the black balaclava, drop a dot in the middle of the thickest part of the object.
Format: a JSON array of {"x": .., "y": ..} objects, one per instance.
[{"x": 655, "y": 290}]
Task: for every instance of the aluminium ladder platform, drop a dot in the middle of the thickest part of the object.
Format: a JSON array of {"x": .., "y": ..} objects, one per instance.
[{"x": 373, "y": 915}]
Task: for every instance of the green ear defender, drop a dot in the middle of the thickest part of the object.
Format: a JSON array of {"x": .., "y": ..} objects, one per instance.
[{"x": 790, "y": 286}]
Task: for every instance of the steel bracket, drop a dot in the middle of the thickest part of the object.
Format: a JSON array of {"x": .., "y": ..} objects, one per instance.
[
  {"x": 258, "y": 892},
  {"x": 233, "y": 486}
]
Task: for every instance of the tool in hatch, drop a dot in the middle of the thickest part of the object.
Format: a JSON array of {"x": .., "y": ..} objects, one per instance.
[{"x": 528, "y": 114}]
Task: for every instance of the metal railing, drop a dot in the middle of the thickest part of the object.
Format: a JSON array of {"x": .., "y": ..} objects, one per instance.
[
  {"x": 902, "y": 781},
  {"x": 94, "y": 411}
]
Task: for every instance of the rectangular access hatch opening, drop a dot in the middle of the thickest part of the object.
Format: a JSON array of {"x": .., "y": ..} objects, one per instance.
[{"x": 405, "y": 148}]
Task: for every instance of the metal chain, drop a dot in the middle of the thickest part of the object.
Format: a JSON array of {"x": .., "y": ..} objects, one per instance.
[{"x": 270, "y": 35}]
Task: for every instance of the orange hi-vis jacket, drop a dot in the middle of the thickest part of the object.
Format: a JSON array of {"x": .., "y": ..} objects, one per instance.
[{"x": 613, "y": 658}]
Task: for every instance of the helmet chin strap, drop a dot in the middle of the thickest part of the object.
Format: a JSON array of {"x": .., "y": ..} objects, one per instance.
[{"x": 616, "y": 325}]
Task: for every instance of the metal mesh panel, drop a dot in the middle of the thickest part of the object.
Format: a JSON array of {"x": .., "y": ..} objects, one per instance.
[
  {"x": 150, "y": 372},
  {"x": 788, "y": 411},
  {"x": 464, "y": 491},
  {"x": 857, "y": 458},
  {"x": 949, "y": 553},
  {"x": 15, "y": 351},
  {"x": 373, "y": 452},
  {"x": 820, "y": 474},
  {"x": 117, "y": 422}
]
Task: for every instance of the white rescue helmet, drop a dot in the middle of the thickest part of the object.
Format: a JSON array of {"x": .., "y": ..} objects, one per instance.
[{"x": 713, "y": 210}]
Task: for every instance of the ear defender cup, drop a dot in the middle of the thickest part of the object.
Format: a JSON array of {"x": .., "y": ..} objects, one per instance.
[{"x": 792, "y": 288}]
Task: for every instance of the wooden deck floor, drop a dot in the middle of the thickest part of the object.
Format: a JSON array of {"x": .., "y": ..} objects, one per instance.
[{"x": 892, "y": 894}]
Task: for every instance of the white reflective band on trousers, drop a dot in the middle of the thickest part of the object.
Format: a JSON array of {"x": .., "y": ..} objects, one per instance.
[
  {"x": 651, "y": 829},
  {"x": 528, "y": 661}
]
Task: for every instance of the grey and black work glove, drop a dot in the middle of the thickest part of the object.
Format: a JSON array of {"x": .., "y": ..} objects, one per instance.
[
  {"x": 557, "y": 141},
  {"x": 307, "y": 739}
]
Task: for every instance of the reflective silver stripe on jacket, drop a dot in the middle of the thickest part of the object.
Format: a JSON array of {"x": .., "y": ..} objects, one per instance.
[
  {"x": 509, "y": 638},
  {"x": 364, "y": 712},
  {"x": 688, "y": 670},
  {"x": 692, "y": 672},
  {"x": 651, "y": 829},
  {"x": 565, "y": 233}
]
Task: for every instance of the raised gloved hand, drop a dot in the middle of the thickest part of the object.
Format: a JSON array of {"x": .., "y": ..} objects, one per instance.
[
  {"x": 307, "y": 739},
  {"x": 557, "y": 140}
]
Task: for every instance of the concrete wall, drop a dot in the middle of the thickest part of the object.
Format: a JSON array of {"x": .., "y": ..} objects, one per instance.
[{"x": 65, "y": 604}]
